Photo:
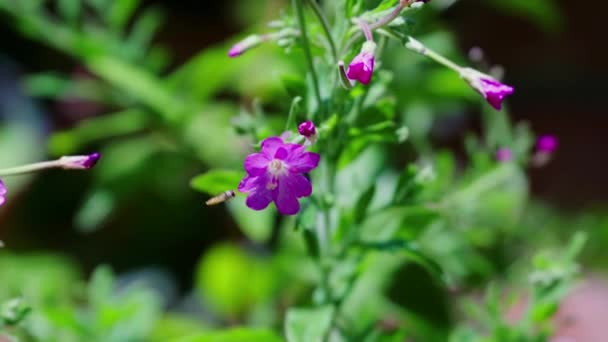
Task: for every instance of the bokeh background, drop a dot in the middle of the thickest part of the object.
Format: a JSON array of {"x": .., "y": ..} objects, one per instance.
[{"x": 555, "y": 57}]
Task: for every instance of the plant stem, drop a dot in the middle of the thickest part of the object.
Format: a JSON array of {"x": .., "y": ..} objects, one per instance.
[
  {"x": 326, "y": 29},
  {"x": 299, "y": 9},
  {"x": 18, "y": 170},
  {"x": 418, "y": 47}
]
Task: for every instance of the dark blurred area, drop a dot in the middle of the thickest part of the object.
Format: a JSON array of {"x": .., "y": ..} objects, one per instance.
[{"x": 559, "y": 77}]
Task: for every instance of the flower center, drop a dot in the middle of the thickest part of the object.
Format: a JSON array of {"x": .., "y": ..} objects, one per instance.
[{"x": 277, "y": 168}]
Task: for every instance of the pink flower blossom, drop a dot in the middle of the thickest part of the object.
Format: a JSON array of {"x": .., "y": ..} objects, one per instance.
[{"x": 276, "y": 175}]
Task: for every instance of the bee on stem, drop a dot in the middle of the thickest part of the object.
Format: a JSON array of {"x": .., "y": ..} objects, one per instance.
[{"x": 221, "y": 198}]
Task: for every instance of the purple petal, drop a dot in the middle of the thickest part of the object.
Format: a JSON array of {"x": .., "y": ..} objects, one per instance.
[
  {"x": 256, "y": 163},
  {"x": 300, "y": 161},
  {"x": 298, "y": 184},
  {"x": 259, "y": 200},
  {"x": 259, "y": 195},
  {"x": 285, "y": 197},
  {"x": 281, "y": 153},
  {"x": 270, "y": 146},
  {"x": 495, "y": 92},
  {"x": 361, "y": 68}
]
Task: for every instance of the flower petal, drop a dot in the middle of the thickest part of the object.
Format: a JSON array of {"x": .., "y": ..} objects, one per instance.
[
  {"x": 259, "y": 195},
  {"x": 300, "y": 161},
  {"x": 259, "y": 200},
  {"x": 270, "y": 146},
  {"x": 281, "y": 153},
  {"x": 298, "y": 184},
  {"x": 285, "y": 198},
  {"x": 256, "y": 163}
]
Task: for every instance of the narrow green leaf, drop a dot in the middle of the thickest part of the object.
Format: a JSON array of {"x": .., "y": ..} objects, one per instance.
[{"x": 139, "y": 84}]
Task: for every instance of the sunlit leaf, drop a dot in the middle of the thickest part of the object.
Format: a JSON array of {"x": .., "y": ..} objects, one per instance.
[{"x": 308, "y": 325}]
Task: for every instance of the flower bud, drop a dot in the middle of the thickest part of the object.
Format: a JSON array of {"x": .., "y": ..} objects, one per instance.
[
  {"x": 492, "y": 90},
  {"x": 244, "y": 45},
  {"x": 361, "y": 67},
  {"x": 2, "y": 193},
  {"x": 79, "y": 162},
  {"x": 307, "y": 129},
  {"x": 546, "y": 143}
]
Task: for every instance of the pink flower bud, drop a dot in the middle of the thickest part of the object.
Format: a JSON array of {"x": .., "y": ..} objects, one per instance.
[{"x": 361, "y": 67}]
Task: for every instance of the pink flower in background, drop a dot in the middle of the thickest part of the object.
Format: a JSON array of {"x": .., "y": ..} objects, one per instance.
[
  {"x": 547, "y": 143},
  {"x": 276, "y": 175},
  {"x": 492, "y": 90},
  {"x": 504, "y": 154},
  {"x": 2, "y": 193}
]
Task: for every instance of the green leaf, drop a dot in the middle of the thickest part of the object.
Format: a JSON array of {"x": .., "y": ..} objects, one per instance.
[
  {"x": 411, "y": 251},
  {"x": 216, "y": 181},
  {"x": 363, "y": 202},
  {"x": 234, "y": 335},
  {"x": 69, "y": 10},
  {"x": 231, "y": 281},
  {"x": 256, "y": 225},
  {"x": 120, "y": 13},
  {"x": 93, "y": 129},
  {"x": 140, "y": 84},
  {"x": 308, "y": 325}
]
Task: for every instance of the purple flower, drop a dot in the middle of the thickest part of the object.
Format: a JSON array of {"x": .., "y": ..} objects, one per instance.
[
  {"x": 2, "y": 193},
  {"x": 492, "y": 90},
  {"x": 79, "y": 162},
  {"x": 361, "y": 67},
  {"x": 307, "y": 129},
  {"x": 276, "y": 174},
  {"x": 504, "y": 154},
  {"x": 546, "y": 143}
]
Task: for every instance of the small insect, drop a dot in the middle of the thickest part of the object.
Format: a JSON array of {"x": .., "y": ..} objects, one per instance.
[{"x": 221, "y": 198}]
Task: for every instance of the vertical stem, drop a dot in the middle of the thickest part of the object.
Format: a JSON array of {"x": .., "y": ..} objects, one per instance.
[
  {"x": 299, "y": 9},
  {"x": 326, "y": 29}
]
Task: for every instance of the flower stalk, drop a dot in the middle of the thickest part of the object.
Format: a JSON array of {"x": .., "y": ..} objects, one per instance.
[{"x": 299, "y": 10}]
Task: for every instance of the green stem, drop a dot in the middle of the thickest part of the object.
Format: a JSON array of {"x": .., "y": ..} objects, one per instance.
[
  {"x": 326, "y": 29},
  {"x": 18, "y": 170},
  {"x": 299, "y": 9},
  {"x": 418, "y": 47}
]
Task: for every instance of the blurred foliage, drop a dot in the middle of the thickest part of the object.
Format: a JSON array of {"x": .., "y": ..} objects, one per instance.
[{"x": 408, "y": 222}]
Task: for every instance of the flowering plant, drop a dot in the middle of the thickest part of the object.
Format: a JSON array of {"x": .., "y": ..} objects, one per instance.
[{"x": 357, "y": 226}]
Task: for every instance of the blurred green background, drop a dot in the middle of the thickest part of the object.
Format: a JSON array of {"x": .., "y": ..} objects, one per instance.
[{"x": 136, "y": 211}]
